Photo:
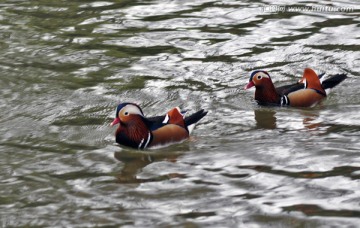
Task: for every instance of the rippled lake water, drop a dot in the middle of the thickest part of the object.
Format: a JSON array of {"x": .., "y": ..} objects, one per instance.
[{"x": 65, "y": 65}]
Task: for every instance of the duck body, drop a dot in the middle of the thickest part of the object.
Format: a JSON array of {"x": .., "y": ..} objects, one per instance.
[
  {"x": 306, "y": 93},
  {"x": 137, "y": 131}
]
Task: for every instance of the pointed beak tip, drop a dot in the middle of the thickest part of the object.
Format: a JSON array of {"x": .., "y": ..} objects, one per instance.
[
  {"x": 249, "y": 85},
  {"x": 115, "y": 121}
]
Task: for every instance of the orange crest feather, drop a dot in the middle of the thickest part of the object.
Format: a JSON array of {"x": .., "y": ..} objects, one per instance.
[
  {"x": 312, "y": 79},
  {"x": 175, "y": 117}
]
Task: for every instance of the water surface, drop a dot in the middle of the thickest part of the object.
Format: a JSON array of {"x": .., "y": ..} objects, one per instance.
[{"x": 65, "y": 65}]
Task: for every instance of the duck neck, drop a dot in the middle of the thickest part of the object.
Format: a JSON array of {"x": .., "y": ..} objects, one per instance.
[
  {"x": 267, "y": 94},
  {"x": 135, "y": 134}
]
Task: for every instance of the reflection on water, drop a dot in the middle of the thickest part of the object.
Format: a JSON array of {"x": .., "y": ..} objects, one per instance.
[
  {"x": 346, "y": 171},
  {"x": 314, "y": 210},
  {"x": 135, "y": 161},
  {"x": 65, "y": 65},
  {"x": 265, "y": 118}
]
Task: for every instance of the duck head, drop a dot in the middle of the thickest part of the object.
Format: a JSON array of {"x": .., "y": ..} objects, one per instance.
[
  {"x": 133, "y": 130},
  {"x": 126, "y": 112},
  {"x": 265, "y": 91},
  {"x": 258, "y": 78}
]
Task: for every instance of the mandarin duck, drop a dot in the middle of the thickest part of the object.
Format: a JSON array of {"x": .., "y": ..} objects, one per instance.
[
  {"x": 137, "y": 131},
  {"x": 306, "y": 93}
]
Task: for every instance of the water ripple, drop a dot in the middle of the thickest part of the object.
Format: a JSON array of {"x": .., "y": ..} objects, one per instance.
[{"x": 66, "y": 64}]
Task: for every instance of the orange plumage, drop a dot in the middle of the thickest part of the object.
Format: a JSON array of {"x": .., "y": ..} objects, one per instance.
[
  {"x": 137, "y": 131},
  {"x": 308, "y": 92}
]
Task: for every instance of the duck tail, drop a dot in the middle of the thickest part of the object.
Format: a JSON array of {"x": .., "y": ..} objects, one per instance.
[
  {"x": 333, "y": 81},
  {"x": 321, "y": 75},
  {"x": 194, "y": 118}
]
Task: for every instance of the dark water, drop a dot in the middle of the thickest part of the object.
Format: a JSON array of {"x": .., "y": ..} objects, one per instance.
[{"x": 65, "y": 65}]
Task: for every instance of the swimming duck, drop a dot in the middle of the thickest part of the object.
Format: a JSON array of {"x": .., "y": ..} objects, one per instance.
[
  {"x": 306, "y": 93},
  {"x": 137, "y": 131}
]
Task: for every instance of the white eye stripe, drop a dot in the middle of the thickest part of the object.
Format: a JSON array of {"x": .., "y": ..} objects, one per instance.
[
  {"x": 131, "y": 109},
  {"x": 261, "y": 75}
]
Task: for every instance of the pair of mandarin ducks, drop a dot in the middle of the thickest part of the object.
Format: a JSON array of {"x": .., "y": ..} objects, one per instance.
[{"x": 137, "y": 131}]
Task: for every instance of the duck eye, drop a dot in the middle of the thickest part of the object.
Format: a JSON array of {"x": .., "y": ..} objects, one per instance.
[
  {"x": 259, "y": 77},
  {"x": 126, "y": 113}
]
